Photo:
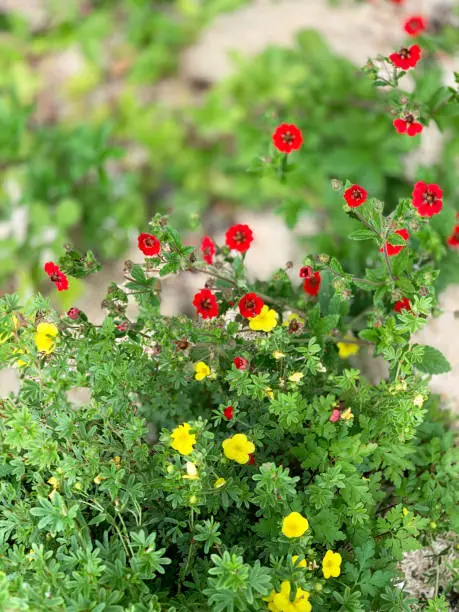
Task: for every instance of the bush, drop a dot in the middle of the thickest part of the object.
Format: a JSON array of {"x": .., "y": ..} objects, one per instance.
[{"x": 173, "y": 486}]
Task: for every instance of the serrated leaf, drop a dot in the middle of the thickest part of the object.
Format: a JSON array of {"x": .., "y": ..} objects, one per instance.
[
  {"x": 362, "y": 234},
  {"x": 396, "y": 240},
  {"x": 433, "y": 361}
]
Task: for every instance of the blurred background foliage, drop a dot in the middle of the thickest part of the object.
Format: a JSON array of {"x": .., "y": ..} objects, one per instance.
[{"x": 88, "y": 162}]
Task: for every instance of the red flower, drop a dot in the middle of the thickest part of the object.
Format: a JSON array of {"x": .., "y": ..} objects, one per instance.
[
  {"x": 408, "y": 125},
  {"x": 74, "y": 314},
  {"x": 453, "y": 240},
  {"x": 208, "y": 250},
  {"x": 335, "y": 416},
  {"x": 205, "y": 303},
  {"x": 395, "y": 249},
  {"x": 355, "y": 196},
  {"x": 312, "y": 285},
  {"x": 402, "y": 305},
  {"x": 406, "y": 58},
  {"x": 57, "y": 276},
  {"x": 415, "y": 25},
  {"x": 239, "y": 237},
  {"x": 228, "y": 413},
  {"x": 252, "y": 459},
  {"x": 123, "y": 327},
  {"x": 287, "y": 138},
  {"x": 306, "y": 272},
  {"x": 241, "y": 363},
  {"x": 250, "y": 305},
  {"x": 427, "y": 199},
  {"x": 149, "y": 244}
]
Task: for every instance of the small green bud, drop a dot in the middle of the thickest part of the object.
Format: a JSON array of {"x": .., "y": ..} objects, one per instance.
[
  {"x": 318, "y": 587},
  {"x": 433, "y": 525}
]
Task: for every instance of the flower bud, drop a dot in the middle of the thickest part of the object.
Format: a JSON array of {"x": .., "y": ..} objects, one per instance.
[
  {"x": 74, "y": 314},
  {"x": 336, "y": 185}
]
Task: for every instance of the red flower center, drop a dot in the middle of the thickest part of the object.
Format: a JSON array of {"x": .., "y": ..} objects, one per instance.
[
  {"x": 55, "y": 277},
  {"x": 314, "y": 281},
  {"x": 356, "y": 194},
  {"x": 410, "y": 118},
  {"x": 405, "y": 53},
  {"x": 206, "y": 304},
  {"x": 288, "y": 137},
  {"x": 149, "y": 242},
  {"x": 250, "y": 304},
  {"x": 239, "y": 237}
]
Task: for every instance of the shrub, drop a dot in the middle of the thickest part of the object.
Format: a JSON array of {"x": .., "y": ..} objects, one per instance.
[{"x": 232, "y": 462}]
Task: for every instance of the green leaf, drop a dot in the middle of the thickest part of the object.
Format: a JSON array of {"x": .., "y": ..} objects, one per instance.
[
  {"x": 433, "y": 361},
  {"x": 362, "y": 234},
  {"x": 396, "y": 240}
]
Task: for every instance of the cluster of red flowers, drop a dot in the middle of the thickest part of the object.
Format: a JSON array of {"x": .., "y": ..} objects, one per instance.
[
  {"x": 238, "y": 238},
  {"x": 56, "y": 276}
]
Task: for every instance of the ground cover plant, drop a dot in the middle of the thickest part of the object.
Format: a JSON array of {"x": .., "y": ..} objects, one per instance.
[{"x": 236, "y": 459}]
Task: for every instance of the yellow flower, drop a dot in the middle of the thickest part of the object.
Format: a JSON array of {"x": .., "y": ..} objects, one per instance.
[
  {"x": 53, "y": 481},
  {"x": 220, "y": 482},
  {"x": 238, "y": 448},
  {"x": 278, "y": 355},
  {"x": 280, "y": 601},
  {"x": 418, "y": 400},
  {"x": 347, "y": 414},
  {"x": 269, "y": 392},
  {"x": 191, "y": 471},
  {"x": 98, "y": 479},
  {"x": 265, "y": 321},
  {"x": 202, "y": 370},
  {"x": 182, "y": 440},
  {"x": 52, "y": 494},
  {"x": 300, "y": 564},
  {"x": 294, "y": 525},
  {"x": 346, "y": 349},
  {"x": 296, "y": 377},
  {"x": 193, "y": 499},
  {"x": 45, "y": 337},
  {"x": 331, "y": 564},
  {"x": 405, "y": 511}
]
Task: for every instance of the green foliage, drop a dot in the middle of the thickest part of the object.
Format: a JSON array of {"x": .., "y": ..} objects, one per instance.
[{"x": 101, "y": 509}]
